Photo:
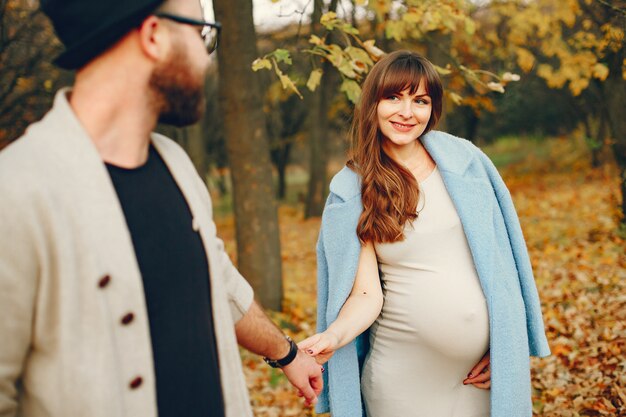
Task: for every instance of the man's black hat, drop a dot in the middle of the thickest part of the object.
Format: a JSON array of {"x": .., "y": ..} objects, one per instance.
[{"x": 89, "y": 27}]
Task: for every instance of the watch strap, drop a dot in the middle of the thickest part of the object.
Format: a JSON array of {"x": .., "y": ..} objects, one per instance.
[{"x": 279, "y": 363}]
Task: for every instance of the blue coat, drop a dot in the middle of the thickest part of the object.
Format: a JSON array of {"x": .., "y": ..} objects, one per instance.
[{"x": 499, "y": 252}]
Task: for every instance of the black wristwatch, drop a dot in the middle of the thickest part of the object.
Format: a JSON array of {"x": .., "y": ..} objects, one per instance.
[{"x": 279, "y": 363}]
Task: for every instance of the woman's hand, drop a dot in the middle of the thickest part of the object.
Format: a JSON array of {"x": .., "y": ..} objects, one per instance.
[
  {"x": 321, "y": 346},
  {"x": 480, "y": 375}
]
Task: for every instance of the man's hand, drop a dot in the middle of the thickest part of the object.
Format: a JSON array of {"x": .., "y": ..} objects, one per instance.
[
  {"x": 480, "y": 375},
  {"x": 256, "y": 332},
  {"x": 305, "y": 375}
]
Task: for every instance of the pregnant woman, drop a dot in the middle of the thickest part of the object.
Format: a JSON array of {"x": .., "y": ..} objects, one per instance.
[{"x": 427, "y": 302}]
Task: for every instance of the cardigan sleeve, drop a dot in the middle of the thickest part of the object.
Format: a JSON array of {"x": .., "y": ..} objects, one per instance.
[
  {"x": 240, "y": 293},
  {"x": 19, "y": 274},
  {"x": 538, "y": 343}
]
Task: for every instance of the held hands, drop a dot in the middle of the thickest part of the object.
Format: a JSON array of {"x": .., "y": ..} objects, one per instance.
[
  {"x": 306, "y": 376},
  {"x": 480, "y": 375},
  {"x": 321, "y": 346}
]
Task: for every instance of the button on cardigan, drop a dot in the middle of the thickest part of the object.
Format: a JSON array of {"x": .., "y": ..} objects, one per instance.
[{"x": 500, "y": 256}]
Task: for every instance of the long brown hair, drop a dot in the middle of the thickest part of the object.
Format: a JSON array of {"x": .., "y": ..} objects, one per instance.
[{"x": 389, "y": 192}]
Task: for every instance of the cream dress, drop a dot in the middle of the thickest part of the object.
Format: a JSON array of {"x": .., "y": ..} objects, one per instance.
[{"x": 433, "y": 327}]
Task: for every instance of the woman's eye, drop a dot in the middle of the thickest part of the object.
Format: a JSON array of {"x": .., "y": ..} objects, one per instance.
[{"x": 421, "y": 101}]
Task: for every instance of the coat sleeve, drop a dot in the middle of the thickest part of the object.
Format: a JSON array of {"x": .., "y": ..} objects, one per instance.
[
  {"x": 19, "y": 269},
  {"x": 240, "y": 293},
  {"x": 338, "y": 253},
  {"x": 322, "y": 405},
  {"x": 538, "y": 344}
]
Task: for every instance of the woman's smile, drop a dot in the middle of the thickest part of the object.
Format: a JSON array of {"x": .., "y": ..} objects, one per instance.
[{"x": 402, "y": 127}]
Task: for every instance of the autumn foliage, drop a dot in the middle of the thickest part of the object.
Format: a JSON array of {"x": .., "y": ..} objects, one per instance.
[{"x": 569, "y": 213}]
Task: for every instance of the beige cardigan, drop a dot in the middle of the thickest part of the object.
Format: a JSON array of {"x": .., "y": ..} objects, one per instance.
[{"x": 69, "y": 279}]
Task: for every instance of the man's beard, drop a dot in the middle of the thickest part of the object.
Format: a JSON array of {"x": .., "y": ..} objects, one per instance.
[{"x": 178, "y": 91}]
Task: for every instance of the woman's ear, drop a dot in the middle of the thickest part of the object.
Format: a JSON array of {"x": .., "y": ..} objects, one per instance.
[{"x": 154, "y": 38}]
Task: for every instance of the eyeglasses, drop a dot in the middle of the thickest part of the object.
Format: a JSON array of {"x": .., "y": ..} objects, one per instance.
[{"x": 210, "y": 31}]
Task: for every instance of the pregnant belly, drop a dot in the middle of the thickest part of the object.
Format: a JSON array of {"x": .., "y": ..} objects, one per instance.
[{"x": 444, "y": 314}]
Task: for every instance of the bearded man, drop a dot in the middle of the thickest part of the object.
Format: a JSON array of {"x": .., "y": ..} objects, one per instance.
[{"x": 116, "y": 296}]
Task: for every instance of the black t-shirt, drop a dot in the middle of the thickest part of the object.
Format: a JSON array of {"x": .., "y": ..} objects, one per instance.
[{"x": 175, "y": 276}]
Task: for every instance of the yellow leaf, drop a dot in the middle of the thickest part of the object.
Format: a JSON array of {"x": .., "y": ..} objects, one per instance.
[
  {"x": 600, "y": 71},
  {"x": 359, "y": 55},
  {"x": 335, "y": 55},
  {"x": 314, "y": 79},
  {"x": 374, "y": 51},
  {"x": 261, "y": 63},
  {"x": 442, "y": 71},
  {"x": 525, "y": 59},
  {"x": 508, "y": 77},
  {"x": 285, "y": 81},
  {"x": 329, "y": 20},
  {"x": 395, "y": 30},
  {"x": 448, "y": 21},
  {"x": 561, "y": 350},
  {"x": 288, "y": 84},
  {"x": 352, "y": 89},
  {"x": 497, "y": 87},
  {"x": 346, "y": 68},
  {"x": 380, "y": 7},
  {"x": 578, "y": 85},
  {"x": 315, "y": 40},
  {"x": 456, "y": 99},
  {"x": 470, "y": 26},
  {"x": 412, "y": 17}
]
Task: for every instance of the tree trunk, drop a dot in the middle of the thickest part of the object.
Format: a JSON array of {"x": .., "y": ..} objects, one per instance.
[
  {"x": 615, "y": 95},
  {"x": 471, "y": 123},
  {"x": 318, "y": 135},
  {"x": 196, "y": 148},
  {"x": 587, "y": 122},
  {"x": 256, "y": 219},
  {"x": 318, "y": 128},
  {"x": 437, "y": 47},
  {"x": 282, "y": 181},
  {"x": 280, "y": 158},
  {"x": 598, "y": 144}
]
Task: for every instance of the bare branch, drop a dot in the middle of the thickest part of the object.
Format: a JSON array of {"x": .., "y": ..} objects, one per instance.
[
  {"x": 612, "y": 7},
  {"x": 301, "y": 20}
]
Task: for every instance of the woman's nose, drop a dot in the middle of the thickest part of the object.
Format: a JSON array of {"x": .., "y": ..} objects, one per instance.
[{"x": 406, "y": 110}]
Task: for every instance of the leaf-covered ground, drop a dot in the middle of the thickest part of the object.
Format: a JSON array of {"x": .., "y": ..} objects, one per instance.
[{"x": 569, "y": 216}]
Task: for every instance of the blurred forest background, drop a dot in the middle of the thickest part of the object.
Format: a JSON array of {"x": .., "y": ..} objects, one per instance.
[{"x": 539, "y": 84}]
